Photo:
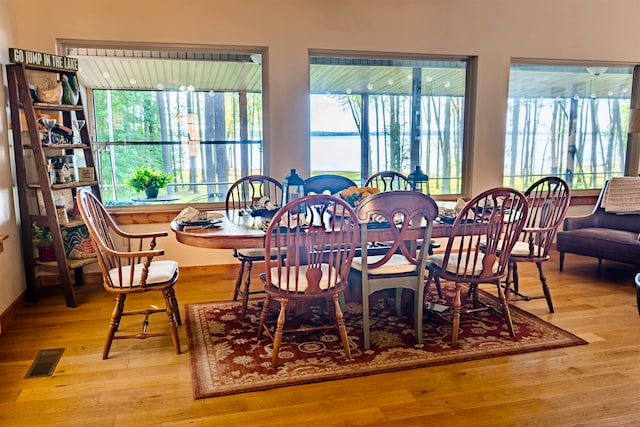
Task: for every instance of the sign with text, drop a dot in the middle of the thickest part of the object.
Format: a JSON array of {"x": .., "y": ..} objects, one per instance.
[{"x": 21, "y": 56}]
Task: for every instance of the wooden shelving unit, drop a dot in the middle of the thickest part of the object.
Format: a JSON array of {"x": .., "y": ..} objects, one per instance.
[{"x": 34, "y": 178}]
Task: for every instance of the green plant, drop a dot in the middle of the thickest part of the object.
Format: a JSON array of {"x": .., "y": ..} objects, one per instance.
[
  {"x": 144, "y": 179},
  {"x": 41, "y": 235}
]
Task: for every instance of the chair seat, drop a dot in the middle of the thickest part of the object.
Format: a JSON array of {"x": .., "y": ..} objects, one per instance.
[
  {"x": 257, "y": 253},
  {"x": 456, "y": 259},
  {"x": 521, "y": 249},
  {"x": 397, "y": 264},
  {"x": 159, "y": 272},
  {"x": 302, "y": 286}
]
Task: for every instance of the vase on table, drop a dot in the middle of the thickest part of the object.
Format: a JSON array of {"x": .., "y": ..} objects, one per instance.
[{"x": 152, "y": 193}]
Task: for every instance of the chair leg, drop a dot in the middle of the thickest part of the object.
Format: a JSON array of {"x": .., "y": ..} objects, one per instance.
[
  {"x": 365, "y": 316},
  {"x": 277, "y": 340},
  {"x": 509, "y": 279},
  {"x": 418, "y": 312},
  {"x": 263, "y": 315},
  {"x": 399, "y": 302},
  {"x": 175, "y": 306},
  {"x": 247, "y": 285},
  {"x": 545, "y": 287},
  {"x": 236, "y": 291},
  {"x": 456, "y": 316},
  {"x": 342, "y": 329},
  {"x": 638, "y": 296},
  {"x": 506, "y": 313},
  {"x": 114, "y": 323},
  {"x": 167, "y": 293},
  {"x": 516, "y": 278},
  {"x": 561, "y": 261}
]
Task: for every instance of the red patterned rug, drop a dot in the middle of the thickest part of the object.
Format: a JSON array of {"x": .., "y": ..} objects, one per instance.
[{"x": 227, "y": 358}]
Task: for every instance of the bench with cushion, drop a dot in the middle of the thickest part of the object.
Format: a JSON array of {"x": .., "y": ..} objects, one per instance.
[{"x": 604, "y": 234}]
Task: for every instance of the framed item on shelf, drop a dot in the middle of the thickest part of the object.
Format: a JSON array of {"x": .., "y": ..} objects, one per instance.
[{"x": 86, "y": 174}]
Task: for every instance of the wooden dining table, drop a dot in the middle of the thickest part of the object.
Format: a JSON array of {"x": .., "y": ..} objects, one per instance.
[{"x": 238, "y": 229}]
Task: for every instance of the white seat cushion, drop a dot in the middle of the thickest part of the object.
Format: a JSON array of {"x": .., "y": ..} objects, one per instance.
[
  {"x": 302, "y": 277},
  {"x": 397, "y": 264},
  {"x": 159, "y": 272},
  {"x": 456, "y": 259},
  {"x": 255, "y": 252},
  {"x": 519, "y": 249},
  {"x": 522, "y": 249}
]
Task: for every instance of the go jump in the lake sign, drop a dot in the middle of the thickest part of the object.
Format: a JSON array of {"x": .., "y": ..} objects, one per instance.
[{"x": 28, "y": 57}]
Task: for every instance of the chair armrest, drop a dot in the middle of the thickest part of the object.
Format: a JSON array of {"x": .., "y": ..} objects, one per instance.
[
  {"x": 134, "y": 254},
  {"x": 148, "y": 235}
]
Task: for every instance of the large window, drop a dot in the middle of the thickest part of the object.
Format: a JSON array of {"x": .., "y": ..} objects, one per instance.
[
  {"x": 196, "y": 116},
  {"x": 569, "y": 121},
  {"x": 374, "y": 114}
]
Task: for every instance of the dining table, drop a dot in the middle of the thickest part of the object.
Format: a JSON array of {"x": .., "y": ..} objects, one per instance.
[{"x": 238, "y": 229}]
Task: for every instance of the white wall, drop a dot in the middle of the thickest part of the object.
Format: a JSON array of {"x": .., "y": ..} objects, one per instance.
[
  {"x": 12, "y": 283},
  {"x": 494, "y": 30}
]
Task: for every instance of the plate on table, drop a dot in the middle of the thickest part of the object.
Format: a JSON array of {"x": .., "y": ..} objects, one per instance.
[
  {"x": 209, "y": 219},
  {"x": 263, "y": 211},
  {"x": 201, "y": 223},
  {"x": 447, "y": 219}
]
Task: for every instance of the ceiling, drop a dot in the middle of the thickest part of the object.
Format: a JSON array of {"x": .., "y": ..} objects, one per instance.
[{"x": 198, "y": 71}]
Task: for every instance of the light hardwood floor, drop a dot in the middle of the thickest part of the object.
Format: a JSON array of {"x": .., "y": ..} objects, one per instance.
[{"x": 145, "y": 383}]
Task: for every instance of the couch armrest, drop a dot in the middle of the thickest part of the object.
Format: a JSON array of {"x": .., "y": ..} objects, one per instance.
[{"x": 577, "y": 222}]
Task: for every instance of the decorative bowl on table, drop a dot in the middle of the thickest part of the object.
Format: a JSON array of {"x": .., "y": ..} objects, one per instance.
[{"x": 354, "y": 195}]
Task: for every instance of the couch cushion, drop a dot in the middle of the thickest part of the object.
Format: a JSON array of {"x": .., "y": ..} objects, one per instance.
[{"x": 616, "y": 245}]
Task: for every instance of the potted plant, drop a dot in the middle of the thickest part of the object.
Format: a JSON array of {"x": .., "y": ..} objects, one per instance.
[
  {"x": 149, "y": 181},
  {"x": 44, "y": 242}
]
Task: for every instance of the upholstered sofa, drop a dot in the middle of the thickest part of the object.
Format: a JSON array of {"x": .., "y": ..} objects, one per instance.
[{"x": 602, "y": 234}]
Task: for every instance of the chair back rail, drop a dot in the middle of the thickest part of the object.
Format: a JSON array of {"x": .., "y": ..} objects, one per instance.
[
  {"x": 130, "y": 252},
  {"x": 311, "y": 243},
  {"x": 399, "y": 264},
  {"x": 548, "y": 200},
  {"x": 246, "y": 191},
  {"x": 388, "y": 181},
  {"x": 485, "y": 231},
  {"x": 327, "y": 184}
]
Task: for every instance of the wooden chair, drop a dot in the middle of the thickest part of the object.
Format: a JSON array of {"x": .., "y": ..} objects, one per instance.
[
  {"x": 314, "y": 238},
  {"x": 409, "y": 217},
  {"x": 327, "y": 184},
  {"x": 128, "y": 268},
  {"x": 243, "y": 194},
  {"x": 483, "y": 235},
  {"x": 391, "y": 180},
  {"x": 548, "y": 200},
  {"x": 388, "y": 180}
]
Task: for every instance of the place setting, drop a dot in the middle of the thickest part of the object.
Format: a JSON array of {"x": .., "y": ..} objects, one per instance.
[{"x": 191, "y": 219}]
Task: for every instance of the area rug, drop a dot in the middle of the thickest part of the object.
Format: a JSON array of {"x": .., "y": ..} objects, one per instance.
[{"x": 227, "y": 357}]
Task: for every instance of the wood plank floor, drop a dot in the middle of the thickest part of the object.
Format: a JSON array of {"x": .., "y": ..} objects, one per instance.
[{"x": 145, "y": 383}]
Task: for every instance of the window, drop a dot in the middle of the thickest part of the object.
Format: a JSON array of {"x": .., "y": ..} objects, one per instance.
[
  {"x": 569, "y": 121},
  {"x": 372, "y": 114},
  {"x": 196, "y": 116}
]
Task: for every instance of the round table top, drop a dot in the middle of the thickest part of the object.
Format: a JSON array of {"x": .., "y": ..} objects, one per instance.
[
  {"x": 239, "y": 230},
  {"x": 236, "y": 230}
]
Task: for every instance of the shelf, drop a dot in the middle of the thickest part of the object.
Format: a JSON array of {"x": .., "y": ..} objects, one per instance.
[
  {"x": 59, "y": 146},
  {"x": 56, "y": 107},
  {"x": 40, "y": 205},
  {"x": 72, "y": 263},
  {"x": 74, "y": 184}
]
